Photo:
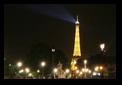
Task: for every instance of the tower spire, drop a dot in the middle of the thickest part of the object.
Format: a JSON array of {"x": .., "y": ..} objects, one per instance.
[
  {"x": 77, "y": 22},
  {"x": 77, "y": 18}
]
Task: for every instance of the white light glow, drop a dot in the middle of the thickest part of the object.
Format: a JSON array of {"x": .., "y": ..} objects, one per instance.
[
  {"x": 67, "y": 70},
  {"x": 43, "y": 63},
  {"x": 94, "y": 73},
  {"x": 55, "y": 70},
  {"x": 19, "y": 64},
  {"x": 85, "y": 61},
  {"x": 27, "y": 70},
  {"x": 102, "y": 46}
]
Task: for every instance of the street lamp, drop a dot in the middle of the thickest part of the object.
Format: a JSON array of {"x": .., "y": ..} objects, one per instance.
[
  {"x": 96, "y": 68},
  {"x": 77, "y": 73},
  {"x": 89, "y": 73},
  {"x": 42, "y": 64},
  {"x": 38, "y": 71},
  {"x": 27, "y": 70},
  {"x": 85, "y": 62},
  {"x": 55, "y": 70},
  {"x": 81, "y": 73},
  {"x": 67, "y": 71},
  {"x": 53, "y": 50},
  {"x": 30, "y": 75},
  {"x": 101, "y": 68},
  {"x": 19, "y": 64},
  {"x": 102, "y": 46},
  {"x": 21, "y": 71}
]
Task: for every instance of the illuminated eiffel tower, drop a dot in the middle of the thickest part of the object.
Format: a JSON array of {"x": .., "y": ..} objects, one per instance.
[{"x": 77, "y": 50}]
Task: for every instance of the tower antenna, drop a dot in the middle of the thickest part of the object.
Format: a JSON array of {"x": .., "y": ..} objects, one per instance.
[{"x": 77, "y": 17}]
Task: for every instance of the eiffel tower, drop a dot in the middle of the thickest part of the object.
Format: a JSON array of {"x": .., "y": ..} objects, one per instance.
[{"x": 77, "y": 50}]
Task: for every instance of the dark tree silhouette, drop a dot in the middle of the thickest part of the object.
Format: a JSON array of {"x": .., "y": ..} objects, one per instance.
[
  {"x": 43, "y": 52},
  {"x": 10, "y": 68}
]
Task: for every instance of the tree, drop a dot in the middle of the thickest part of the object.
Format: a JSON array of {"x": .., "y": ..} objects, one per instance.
[
  {"x": 102, "y": 59},
  {"x": 60, "y": 56},
  {"x": 43, "y": 52},
  {"x": 9, "y": 68}
]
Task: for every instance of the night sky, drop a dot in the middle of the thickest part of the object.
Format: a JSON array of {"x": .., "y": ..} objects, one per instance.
[{"x": 26, "y": 25}]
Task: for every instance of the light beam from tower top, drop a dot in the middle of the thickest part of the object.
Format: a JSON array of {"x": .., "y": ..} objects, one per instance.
[{"x": 77, "y": 22}]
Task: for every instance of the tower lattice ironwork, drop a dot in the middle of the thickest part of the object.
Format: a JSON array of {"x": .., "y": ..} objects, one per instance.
[{"x": 77, "y": 50}]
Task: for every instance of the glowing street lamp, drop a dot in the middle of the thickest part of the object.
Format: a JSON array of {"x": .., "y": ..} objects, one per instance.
[
  {"x": 75, "y": 62},
  {"x": 42, "y": 64},
  {"x": 102, "y": 46},
  {"x": 83, "y": 69},
  {"x": 96, "y": 68},
  {"x": 21, "y": 71},
  {"x": 53, "y": 51},
  {"x": 101, "y": 68},
  {"x": 77, "y": 71},
  {"x": 19, "y": 64},
  {"x": 89, "y": 71},
  {"x": 67, "y": 70},
  {"x": 38, "y": 71},
  {"x": 9, "y": 64},
  {"x": 30, "y": 74},
  {"x": 85, "y": 62},
  {"x": 81, "y": 73},
  {"x": 27, "y": 70},
  {"x": 55, "y": 70}
]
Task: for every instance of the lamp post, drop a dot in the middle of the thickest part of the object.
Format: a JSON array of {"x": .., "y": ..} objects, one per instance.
[
  {"x": 53, "y": 50},
  {"x": 19, "y": 64},
  {"x": 21, "y": 72},
  {"x": 42, "y": 64},
  {"x": 38, "y": 71},
  {"x": 101, "y": 68},
  {"x": 55, "y": 70},
  {"x": 67, "y": 71},
  {"x": 102, "y": 46},
  {"x": 27, "y": 70},
  {"x": 30, "y": 75},
  {"x": 85, "y": 62}
]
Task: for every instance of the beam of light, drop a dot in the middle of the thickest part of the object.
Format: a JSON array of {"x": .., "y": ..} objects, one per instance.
[{"x": 54, "y": 10}]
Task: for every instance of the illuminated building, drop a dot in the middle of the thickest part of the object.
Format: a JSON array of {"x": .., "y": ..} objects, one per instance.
[{"x": 77, "y": 50}]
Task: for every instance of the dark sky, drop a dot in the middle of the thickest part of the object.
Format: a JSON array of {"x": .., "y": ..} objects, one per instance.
[{"x": 25, "y": 26}]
